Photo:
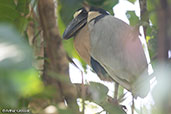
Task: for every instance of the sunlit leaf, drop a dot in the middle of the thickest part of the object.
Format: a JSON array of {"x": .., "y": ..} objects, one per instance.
[
  {"x": 133, "y": 18},
  {"x": 28, "y": 82},
  {"x": 132, "y": 1},
  {"x": 151, "y": 40},
  {"x": 152, "y": 9}
]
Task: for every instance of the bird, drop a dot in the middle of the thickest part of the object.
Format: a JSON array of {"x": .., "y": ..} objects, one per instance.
[{"x": 111, "y": 47}]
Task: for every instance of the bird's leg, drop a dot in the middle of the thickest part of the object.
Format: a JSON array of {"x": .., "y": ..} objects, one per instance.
[{"x": 116, "y": 92}]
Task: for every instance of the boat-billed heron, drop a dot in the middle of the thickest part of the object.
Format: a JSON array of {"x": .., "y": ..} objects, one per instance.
[{"x": 111, "y": 47}]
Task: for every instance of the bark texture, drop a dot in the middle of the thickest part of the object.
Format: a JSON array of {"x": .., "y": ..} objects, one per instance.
[
  {"x": 144, "y": 14},
  {"x": 164, "y": 36},
  {"x": 56, "y": 67}
]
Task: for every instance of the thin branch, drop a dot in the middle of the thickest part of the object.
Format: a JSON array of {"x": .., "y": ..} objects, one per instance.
[
  {"x": 36, "y": 35},
  {"x": 116, "y": 91},
  {"x": 83, "y": 93},
  {"x": 144, "y": 14},
  {"x": 133, "y": 105}
]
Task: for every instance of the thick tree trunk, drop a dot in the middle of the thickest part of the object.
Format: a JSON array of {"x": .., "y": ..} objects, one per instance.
[
  {"x": 163, "y": 99},
  {"x": 164, "y": 37},
  {"x": 56, "y": 64}
]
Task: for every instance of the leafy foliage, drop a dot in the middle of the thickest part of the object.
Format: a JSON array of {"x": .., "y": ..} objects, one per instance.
[
  {"x": 99, "y": 95},
  {"x": 20, "y": 82},
  {"x": 17, "y": 76},
  {"x": 152, "y": 10},
  {"x": 105, "y": 4},
  {"x": 14, "y": 13}
]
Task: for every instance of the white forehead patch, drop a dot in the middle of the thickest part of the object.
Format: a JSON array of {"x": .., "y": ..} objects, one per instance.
[
  {"x": 77, "y": 13},
  {"x": 92, "y": 15}
]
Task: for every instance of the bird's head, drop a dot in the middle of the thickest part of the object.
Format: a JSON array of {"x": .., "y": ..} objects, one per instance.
[{"x": 81, "y": 17}]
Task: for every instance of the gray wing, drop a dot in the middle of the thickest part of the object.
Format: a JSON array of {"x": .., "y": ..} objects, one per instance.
[{"x": 116, "y": 46}]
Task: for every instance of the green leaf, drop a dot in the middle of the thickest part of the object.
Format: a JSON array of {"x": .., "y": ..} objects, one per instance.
[
  {"x": 16, "y": 83},
  {"x": 112, "y": 109},
  {"x": 13, "y": 13},
  {"x": 133, "y": 18},
  {"x": 152, "y": 47},
  {"x": 66, "y": 9},
  {"x": 132, "y": 1},
  {"x": 99, "y": 96},
  {"x": 121, "y": 92},
  {"x": 8, "y": 12},
  {"x": 9, "y": 3},
  {"x": 99, "y": 92},
  {"x": 151, "y": 39},
  {"x": 23, "y": 6},
  {"x": 152, "y": 8},
  {"x": 27, "y": 82},
  {"x": 105, "y": 4},
  {"x": 153, "y": 18}
]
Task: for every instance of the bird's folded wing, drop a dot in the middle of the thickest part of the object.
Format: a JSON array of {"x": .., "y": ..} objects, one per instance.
[{"x": 116, "y": 46}]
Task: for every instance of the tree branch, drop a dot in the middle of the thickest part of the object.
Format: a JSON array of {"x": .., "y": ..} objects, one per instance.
[
  {"x": 55, "y": 57},
  {"x": 144, "y": 14}
]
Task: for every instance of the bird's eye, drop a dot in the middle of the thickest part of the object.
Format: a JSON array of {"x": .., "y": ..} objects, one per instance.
[{"x": 77, "y": 13}]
